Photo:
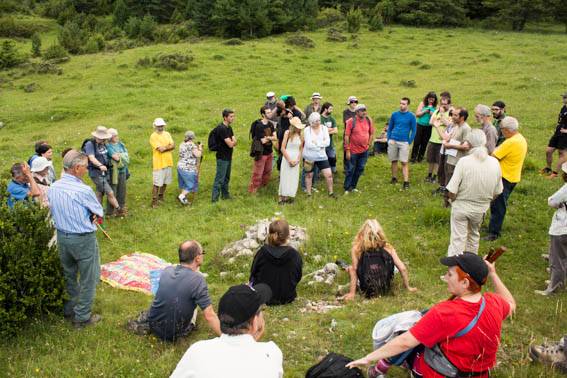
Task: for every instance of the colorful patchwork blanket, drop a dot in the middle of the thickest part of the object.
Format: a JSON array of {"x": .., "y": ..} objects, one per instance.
[{"x": 137, "y": 271}]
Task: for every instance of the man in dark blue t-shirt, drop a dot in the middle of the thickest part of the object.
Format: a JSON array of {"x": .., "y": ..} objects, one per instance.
[{"x": 181, "y": 289}]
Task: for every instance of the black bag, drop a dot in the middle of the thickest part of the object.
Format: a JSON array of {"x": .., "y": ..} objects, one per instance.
[
  {"x": 375, "y": 272},
  {"x": 333, "y": 366},
  {"x": 213, "y": 142},
  {"x": 85, "y": 142}
]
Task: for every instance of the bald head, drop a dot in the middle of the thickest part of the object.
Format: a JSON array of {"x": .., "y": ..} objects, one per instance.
[{"x": 189, "y": 250}]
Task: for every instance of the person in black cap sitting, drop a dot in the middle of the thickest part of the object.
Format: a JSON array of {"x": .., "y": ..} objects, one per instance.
[
  {"x": 461, "y": 334},
  {"x": 237, "y": 352}
]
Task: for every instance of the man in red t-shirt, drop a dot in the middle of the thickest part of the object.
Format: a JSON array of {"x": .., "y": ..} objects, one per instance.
[
  {"x": 357, "y": 141},
  {"x": 473, "y": 353}
]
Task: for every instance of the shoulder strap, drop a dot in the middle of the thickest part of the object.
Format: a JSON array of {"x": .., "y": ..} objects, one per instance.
[{"x": 473, "y": 322}]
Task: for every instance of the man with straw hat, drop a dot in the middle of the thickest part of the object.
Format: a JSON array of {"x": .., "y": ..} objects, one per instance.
[
  {"x": 97, "y": 153},
  {"x": 162, "y": 159}
]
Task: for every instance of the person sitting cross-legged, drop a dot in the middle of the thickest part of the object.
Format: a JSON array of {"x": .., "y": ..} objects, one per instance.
[
  {"x": 278, "y": 265},
  {"x": 182, "y": 288}
]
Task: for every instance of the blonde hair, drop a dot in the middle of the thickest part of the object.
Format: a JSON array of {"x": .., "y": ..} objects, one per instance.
[
  {"x": 278, "y": 232},
  {"x": 370, "y": 236}
]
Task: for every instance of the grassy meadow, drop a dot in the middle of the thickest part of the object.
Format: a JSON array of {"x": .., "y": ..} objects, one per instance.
[{"x": 524, "y": 70}]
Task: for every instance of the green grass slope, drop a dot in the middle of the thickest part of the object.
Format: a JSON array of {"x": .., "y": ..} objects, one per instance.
[{"x": 475, "y": 66}]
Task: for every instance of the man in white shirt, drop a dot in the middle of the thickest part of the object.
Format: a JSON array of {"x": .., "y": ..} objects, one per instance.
[{"x": 237, "y": 352}]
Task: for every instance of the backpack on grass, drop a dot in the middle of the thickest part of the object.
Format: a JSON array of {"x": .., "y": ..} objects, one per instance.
[
  {"x": 375, "y": 272},
  {"x": 333, "y": 366}
]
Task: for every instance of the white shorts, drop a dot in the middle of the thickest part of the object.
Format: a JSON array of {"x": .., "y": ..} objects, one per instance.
[
  {"x": 398, "y": 151},
  {"x": 162, "y": 176}
]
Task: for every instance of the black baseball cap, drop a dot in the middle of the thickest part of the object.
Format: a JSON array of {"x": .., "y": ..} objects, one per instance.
[
  {"x": 470, "y": 263},
  {"x": 241, "y": 302}
]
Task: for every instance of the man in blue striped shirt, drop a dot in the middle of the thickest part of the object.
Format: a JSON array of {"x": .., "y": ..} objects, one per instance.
[{"x": 74, "y": 206}]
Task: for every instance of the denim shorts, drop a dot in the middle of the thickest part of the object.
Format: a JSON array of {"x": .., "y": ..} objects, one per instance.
[{"x": 187, "y": 180}]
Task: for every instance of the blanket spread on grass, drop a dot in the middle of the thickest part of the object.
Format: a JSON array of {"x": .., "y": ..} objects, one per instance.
[{"x": 137, "y": 271}]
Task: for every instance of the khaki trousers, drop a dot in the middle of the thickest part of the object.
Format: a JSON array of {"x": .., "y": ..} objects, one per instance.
[{"x": 465, "y": 231}]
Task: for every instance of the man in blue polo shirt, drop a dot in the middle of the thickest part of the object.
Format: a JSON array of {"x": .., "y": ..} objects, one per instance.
[
  {"x": 22, "y": 186},
  {"x": 74, "y": 206},
  {"x": 401, "y": 132}
]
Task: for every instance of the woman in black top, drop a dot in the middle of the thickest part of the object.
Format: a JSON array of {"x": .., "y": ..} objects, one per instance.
[{"x": 278, "y": 265}]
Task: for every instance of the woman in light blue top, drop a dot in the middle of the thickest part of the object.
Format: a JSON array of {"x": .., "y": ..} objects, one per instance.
[{"x": 118, "y": 156}]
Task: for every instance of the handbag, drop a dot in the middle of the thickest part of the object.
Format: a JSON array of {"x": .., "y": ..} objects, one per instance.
[
  {"x": 256, "y": 149},
  {"x": 308, "y": 165}
]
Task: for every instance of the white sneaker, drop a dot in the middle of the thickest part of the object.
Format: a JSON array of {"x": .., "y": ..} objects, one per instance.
[
  {"x": 545, "y": 293},
  {"x": 314, "y": 190},
  {"x": 356, "y": 190},
  {"x": 347, "y": 192}
]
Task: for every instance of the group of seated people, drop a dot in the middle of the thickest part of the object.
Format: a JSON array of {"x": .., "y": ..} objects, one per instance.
[{"x": 466, "y": 328}]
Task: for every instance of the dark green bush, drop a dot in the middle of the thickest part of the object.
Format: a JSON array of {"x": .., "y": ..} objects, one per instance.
[
  {"x": 147, "y": 27},
  {"x": 31, "y": 283},
  {"x": 329, "y": 16},
  {"x": 132, "y": 27},
  {"x": 301, "y": 41},
  {"x": 36, "y": 45},
  {"x": 333, "y": 35},
  {"x": 176, "y": 62},
  {"x": 376, "y": 21},
  {"x": 95, "y": 43},
  {"x": 354, "y": 20},
  {"x": 12, "y": 28},
  {"x": 72, "y": 37},
  {"x": 55, "y": 52},
  {"x": 9, "y": 56}
]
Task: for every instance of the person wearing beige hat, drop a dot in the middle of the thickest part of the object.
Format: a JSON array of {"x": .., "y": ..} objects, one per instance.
[
  {"x": 162, "y": 160},
  {"x": 99, "y": 164},
  {"x": 558, "y": 239},
  {"x": 315, "y": 106},
  {"x": 119, "y": 159},
  {"x": 557, "y": 142},
  {"x": 40, "y": 173}
]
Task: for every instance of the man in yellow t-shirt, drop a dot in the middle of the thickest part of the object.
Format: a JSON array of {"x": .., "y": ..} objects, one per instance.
[
  {"x": 162, "y": 159},
  {"x": 511, "y": 154}
]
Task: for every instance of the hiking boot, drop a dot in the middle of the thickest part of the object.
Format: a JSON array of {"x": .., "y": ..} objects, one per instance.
[
  {"x": 545, "y": 256},
  {"x": 138, "y": 328},
  {"x": 122, "y": 212},
  {"x": 545, "y": 171},
  {"x": 428, "y": 179},
  {"x": 544, "y": 293},
  {"x": 549, "y": 354},
  {"x": 333, "y": 195},
  {"x": 406, "y": 185},
  {"x": 490, "y": 237},
  {"x": 394, "y": 180},
  {"x": 95, "y": 318}
]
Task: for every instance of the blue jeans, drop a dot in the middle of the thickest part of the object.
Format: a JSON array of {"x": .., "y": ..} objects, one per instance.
[
  {"x": 80, "y": 259},
  {"x": 355, "y": 169},
  {"x": 222, "y": 178},
  {"x": 498, "y": 208}
]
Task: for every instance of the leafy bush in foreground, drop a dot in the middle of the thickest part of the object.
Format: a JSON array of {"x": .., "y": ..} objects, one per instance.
[{"x": 31, "y": 283}]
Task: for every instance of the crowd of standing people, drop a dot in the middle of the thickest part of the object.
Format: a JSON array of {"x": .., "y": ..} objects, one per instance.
[{"x": 476, "y": 169}]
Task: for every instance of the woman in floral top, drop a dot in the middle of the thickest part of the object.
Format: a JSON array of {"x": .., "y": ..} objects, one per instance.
[{"x": 188, "y": 168}]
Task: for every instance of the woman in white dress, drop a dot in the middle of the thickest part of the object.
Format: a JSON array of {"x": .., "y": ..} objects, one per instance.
[{"x": 291, "y": 148}]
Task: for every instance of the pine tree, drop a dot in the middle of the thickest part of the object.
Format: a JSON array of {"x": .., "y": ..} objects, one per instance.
[
  {"x": 120, "y": 14},
  {"x": 36, "y": 45},
  {"x": 517, "y": 12}
]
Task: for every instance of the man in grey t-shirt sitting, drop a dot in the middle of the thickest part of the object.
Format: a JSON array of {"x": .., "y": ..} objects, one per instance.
[{"x": 181, "y": 289}]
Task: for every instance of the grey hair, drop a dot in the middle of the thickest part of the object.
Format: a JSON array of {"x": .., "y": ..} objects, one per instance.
[
  {"x": 477, "y": 141},
  {"x": 510, "y": 123},
  {"x": 483, "y": 110},
  {"x": 314, "y": 117},
  {"x": 73, "y": 158}
]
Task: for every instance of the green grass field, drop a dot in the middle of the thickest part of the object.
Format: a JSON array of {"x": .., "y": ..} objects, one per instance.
[{"x": 476, "y": 66}]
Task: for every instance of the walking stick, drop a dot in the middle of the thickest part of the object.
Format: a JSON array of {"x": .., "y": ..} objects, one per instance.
[{"x": 103, "y": 231}]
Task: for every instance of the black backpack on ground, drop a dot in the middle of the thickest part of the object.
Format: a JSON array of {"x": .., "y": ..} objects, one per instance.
[
  {"x": 375, "y": 272},
  {"x": 333, "y": 366},
  {"x": 213, "y": 142}
]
